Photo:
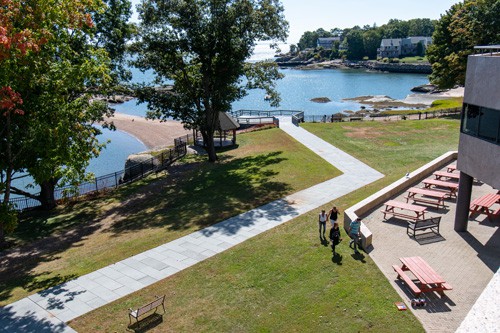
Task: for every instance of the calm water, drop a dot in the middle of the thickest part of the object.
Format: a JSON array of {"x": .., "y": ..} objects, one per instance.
[{"x": 298, "y": 87}]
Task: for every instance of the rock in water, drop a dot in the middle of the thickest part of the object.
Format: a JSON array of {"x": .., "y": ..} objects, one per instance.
[
  {"x": 424, "y": 88},
  {"x": 138, "y": 164},
  {"x": 321, "y": 100}
]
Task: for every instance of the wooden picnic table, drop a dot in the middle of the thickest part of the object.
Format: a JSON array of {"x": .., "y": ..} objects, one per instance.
[
  {"x": 392, "y": 204},
  {"x": 483, "y": 204},
  {"x": 451, "y": 167},
  {"x": 441, "y": 174},
  {"x": 452, "y": 188},
  {"x": 427, "y": 279},
  {"x": 430, "y": 196}
]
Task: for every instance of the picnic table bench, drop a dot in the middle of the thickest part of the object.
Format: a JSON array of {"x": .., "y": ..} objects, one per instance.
[
  {"x": 451, "y": 167},
  {"x": 429, "y": 196},
  {"x": 426, "y": 278},
  {"x": 450, "y": 175},
  {"x": 392, "y": 204},
  {"x": 160, "y": 300},
  {"x": 451, "y": 188},
  {"x": 483, "y": 204},
  {"x": 422, "y": 225}
]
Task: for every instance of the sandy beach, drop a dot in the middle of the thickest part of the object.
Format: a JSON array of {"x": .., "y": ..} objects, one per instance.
[
  {"x": 153, "y": 133},
  {"x": 427, "y": 99}
]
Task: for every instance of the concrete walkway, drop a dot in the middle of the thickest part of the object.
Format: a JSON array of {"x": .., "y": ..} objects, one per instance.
[{"x": 47, "y": 311}]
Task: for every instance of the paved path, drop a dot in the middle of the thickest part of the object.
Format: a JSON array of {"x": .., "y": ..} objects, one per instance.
[{"x": 48, "y": 310}]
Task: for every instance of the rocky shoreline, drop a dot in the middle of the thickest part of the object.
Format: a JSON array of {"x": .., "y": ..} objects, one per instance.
[{"x": 311, "y": 64}]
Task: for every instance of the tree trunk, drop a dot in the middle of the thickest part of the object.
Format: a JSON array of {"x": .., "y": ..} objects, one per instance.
[
  {"x": 47, "y": 197},
  {"x": 208, "y": 142}
]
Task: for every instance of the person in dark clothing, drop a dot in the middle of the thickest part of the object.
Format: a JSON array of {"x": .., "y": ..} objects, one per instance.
[
  {"x": 335, "y": 236},
  {"x": 333, "y": 215}
]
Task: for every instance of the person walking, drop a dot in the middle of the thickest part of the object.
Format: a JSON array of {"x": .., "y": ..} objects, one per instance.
[
  {"x": 335, "y": 236},
  {"x": 322, "y": 222},
  {"x": 354, "y": 229},
  {"x": 333, "y": 215}
]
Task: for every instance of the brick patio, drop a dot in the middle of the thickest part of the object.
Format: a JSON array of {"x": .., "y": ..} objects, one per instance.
[{"x": 467, "y": 261}]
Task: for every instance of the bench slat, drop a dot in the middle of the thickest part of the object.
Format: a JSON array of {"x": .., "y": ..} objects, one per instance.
[
  {"x": 400, "y": 215},
  {"x": 148, "y": 307},
  {"x": 401, "y": 275},
  {"x": 432, "y": 223}
]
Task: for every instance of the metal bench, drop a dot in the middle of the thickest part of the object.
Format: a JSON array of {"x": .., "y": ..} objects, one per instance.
[
  {"x": 160, "y": 300},
  {"x": 421, "y": 225}
]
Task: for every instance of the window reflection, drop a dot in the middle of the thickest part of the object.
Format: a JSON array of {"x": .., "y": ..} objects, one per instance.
[{"x": 481, "y": 122}]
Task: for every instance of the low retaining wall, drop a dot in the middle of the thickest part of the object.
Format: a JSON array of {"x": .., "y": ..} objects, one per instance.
[
  {"x": 368, "y": 204},
  {"x": 399, "y": 67}
]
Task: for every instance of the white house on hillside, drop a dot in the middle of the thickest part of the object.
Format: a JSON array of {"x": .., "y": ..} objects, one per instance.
[{"x": 396, "y": 47}]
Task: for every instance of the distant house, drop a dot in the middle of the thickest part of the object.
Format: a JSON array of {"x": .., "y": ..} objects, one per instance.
[
  {"x": 389, "y": 48},
  {"x": 327, "y": 42},
  {"x": 396, "y": 47}
]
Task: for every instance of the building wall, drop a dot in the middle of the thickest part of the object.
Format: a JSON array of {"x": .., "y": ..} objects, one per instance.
[
  {"x": 479, "y": 159},
  {"x": 476, "y": 157},
  {"x": 482, "y": 82}
]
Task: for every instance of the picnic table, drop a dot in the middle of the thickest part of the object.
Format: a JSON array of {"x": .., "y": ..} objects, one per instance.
[
  {"x": 483, "y": 204},
  {"x": 392, "y": 204},
  {"x": 441, "y": 174},
  {"x": 451, "y": 188},
  {"x": 451, "y": 167},
  {"x": 430, "y": 196},
  {"x": 426, "y": 278}
]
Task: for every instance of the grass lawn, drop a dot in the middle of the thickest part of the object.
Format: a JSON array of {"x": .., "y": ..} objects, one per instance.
[
  {"x": 440, "y": 104},
  {"x": 71, "y": 241},
  {"x": 414, "y": 60},
  {"x": 286, "y": 279}
]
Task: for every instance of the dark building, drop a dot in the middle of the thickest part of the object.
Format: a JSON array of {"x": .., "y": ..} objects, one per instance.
[{"x": 479, "y": 145}]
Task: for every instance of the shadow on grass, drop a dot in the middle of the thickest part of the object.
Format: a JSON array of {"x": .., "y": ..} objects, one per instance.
[
  {"x": 207, "y": 194},
  {"x": 199, "y": 194},
  {"x": 17, "y": 265},
  {"x": 146, "y": 324}
]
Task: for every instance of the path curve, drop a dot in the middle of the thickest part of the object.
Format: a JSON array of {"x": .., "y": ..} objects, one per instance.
[{"x": 48, "y": 310}]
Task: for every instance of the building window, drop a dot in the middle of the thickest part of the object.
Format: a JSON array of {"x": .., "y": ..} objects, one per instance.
[{"x": 481, "y": 122}]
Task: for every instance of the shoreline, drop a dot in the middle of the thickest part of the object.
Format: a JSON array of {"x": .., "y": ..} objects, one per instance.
[{"x": 152, "y": 133}]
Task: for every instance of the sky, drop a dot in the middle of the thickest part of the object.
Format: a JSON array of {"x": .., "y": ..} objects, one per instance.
[{"x": 310, "y": 15}]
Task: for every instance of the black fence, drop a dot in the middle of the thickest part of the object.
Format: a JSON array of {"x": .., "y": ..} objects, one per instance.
[
  {"x": 382, "y": 117},
  {"x": 113, "y": 180}
]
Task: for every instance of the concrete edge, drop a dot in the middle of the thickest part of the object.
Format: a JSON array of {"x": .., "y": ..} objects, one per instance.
[{"x": 364, "y": 206}]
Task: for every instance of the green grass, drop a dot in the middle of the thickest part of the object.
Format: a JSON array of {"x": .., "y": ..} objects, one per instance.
[
  {"x": 286, "y": 279},
  {"x": 441, "y": 104},
  {"x": 71, "y": 241},
  {"x": 414, "y": 60},
  {"x": 455, "y": 102}
]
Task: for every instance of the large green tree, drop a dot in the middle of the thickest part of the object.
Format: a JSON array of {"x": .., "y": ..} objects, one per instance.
[
  {"x": 201, "y": 46},
  {"x": 355, "y": 44},
  {"x": 464, "y": 26},
  {"x": 53, "y": 140}
]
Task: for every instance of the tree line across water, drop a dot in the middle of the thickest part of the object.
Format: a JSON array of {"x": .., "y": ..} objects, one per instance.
[{"x": 359, "y": 42}]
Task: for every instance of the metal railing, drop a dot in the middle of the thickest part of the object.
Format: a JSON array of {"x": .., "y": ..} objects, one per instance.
[
  {"x": 113, "y": 180},
  {"x": 383, "y": 117},
  {"x": 254, "y": 117}
]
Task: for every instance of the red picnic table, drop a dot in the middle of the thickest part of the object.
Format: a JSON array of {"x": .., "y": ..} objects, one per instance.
[
  {"x": 451, "y": 167},
  {"x": 452, "y": 188},
  {"x": 429, "y": 196},
  {"x": 392, "y": 204},
  {"x": 450, "y": 175},
  {"x": 483, "y": 204},
  {"x": 427, "y": 279}
]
